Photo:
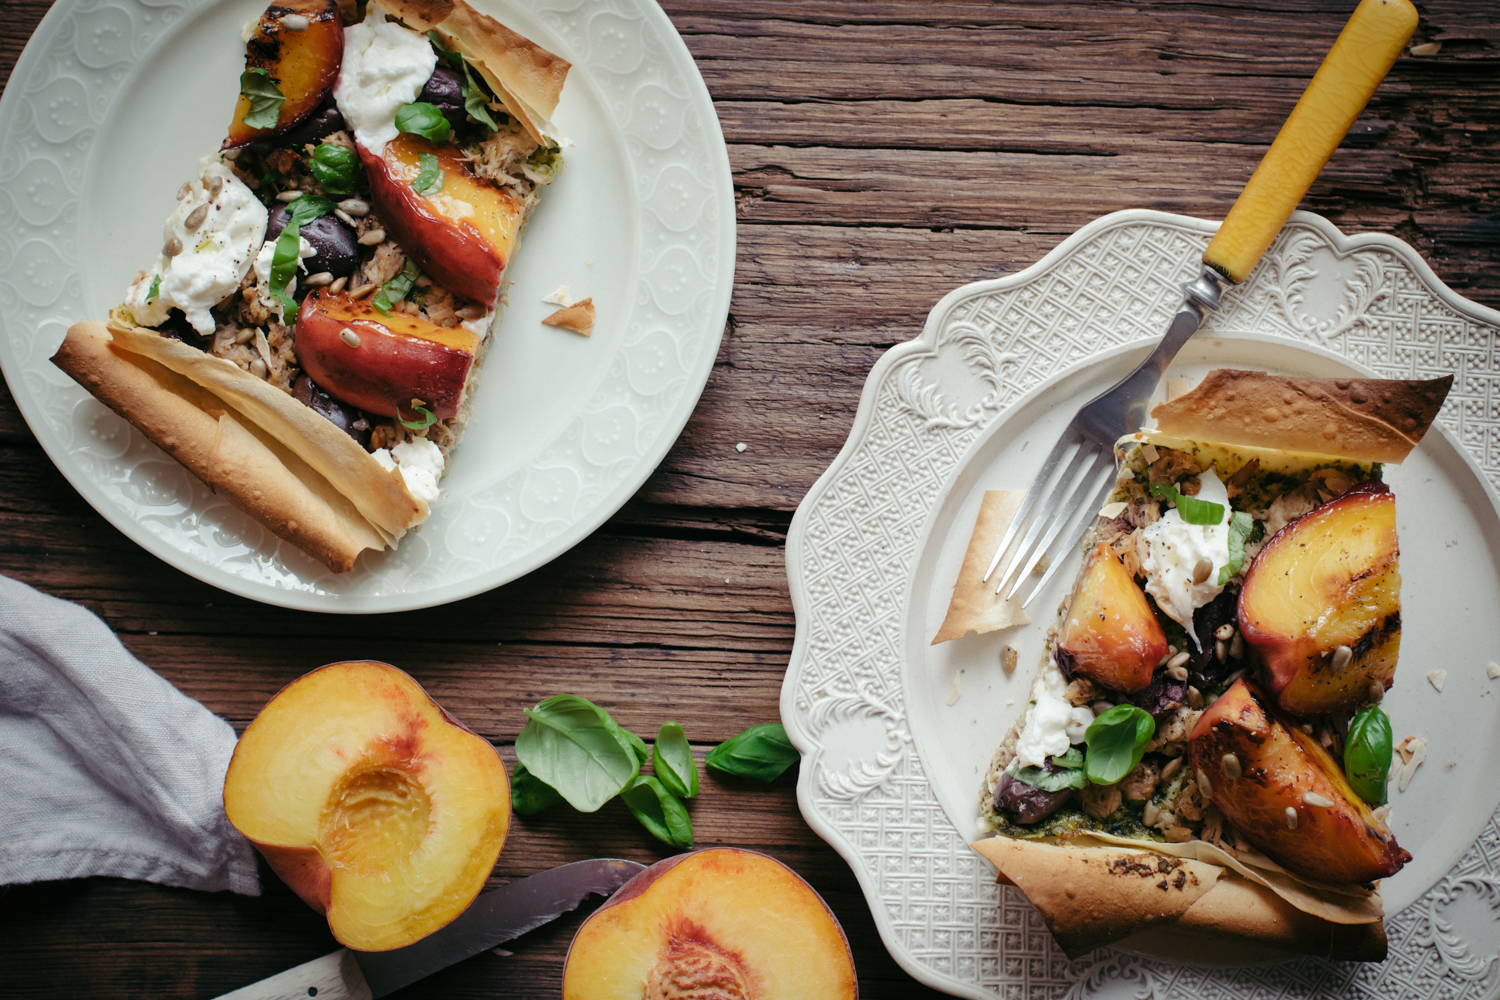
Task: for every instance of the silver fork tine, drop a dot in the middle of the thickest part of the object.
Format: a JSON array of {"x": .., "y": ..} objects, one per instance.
[
  {"x": 1044, "y": 511},
  {"x": 1099, "y": 460},
  {"x": 1075, "y": 534},
  {"x": 1048, "y": 466}
]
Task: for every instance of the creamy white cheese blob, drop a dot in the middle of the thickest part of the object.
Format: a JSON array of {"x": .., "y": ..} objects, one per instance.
[
  {"x": 216, "y": 252},
  {"x": 420, "y": 463},
  {"x": 1049, "y": 719},
  {"x": 1173, "y": 548},
  {"x": 263, "y": 271},
  {"x": 385, "y": 66}
]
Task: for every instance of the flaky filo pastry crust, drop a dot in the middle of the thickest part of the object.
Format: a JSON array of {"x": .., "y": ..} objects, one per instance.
[
  {"x": 274, "y": 458},
  {"x": 1093, "y": 896}
]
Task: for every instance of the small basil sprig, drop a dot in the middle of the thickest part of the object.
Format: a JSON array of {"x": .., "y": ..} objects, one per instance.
[
  {"x": 476, "y": 101},
  {"x": 1116, "y": 741},
  {"x": 1240, "y": 526},
  {"x": 530, "y": 794},
  {"x": 1192, "y": 510},
  {"x": 1070, "y": 775},
  {"x": 672, "y": 760},
  {"x": 573, "y": 745},
  {"x": 429, "y": 175},
  {"x": 264, "y": 96},
  {"x": 423, "y": 119},
  {"x": 396, "y": 289},
  {"x": 659, "y": 810},
  {"x": 336, "y": 168},
  {"x": 425, "y": 418},
  {"x": 760, "y": 753},
  {"x": 154, "y": 290},
  {"x": 288, "y": 252},
  {"x": 1367, "y": 755}
]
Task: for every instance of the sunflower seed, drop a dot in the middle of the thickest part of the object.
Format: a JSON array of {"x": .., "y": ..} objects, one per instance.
[
  {"x": 349, "y": 337},
  {"x": 214, "y": 187},
  {"x": 1173, "y": 766},
  {"x": 321, "y": 278},
  {"x": 1225, "y": 632},
  {"x": 338, "y": 285},
  {"x": 289, "y": 195},
  {"x": 195, "y": 217},
  {"x": 344, "y": 217},
  {"x": 373, "y": 237},
  {"x": 1203, "y": 785},
  {"x": 1341, "y": 657},
  {"x": 294, "y": 22},
  {"x": 357, "y": 207},
  {"x": 172, "y": 247},
  {"x": 1291, "y": 818},
  {"x": 1231, "y": 767},
  {"x": 1201, "y": 570},
  {"x": 1314, "y": 799}
]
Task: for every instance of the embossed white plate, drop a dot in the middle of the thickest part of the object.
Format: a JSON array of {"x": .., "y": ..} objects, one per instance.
[
  {"x": 108, "y": 111},
  {"x": 891, "y": 771}
]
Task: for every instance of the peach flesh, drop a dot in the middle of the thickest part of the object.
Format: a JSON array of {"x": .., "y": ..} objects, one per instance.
[
  {"x": 372, "y": 803},
  {"x": 463, "y": 235},
  {"x": 729, "y": 923},
  {"x": 1111, "y": 634},
  {"x": 303, "y": 64},
  {"x": 397, "y": 358}
]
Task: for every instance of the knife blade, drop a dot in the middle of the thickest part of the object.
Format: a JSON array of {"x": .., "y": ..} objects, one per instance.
[{"x": 493, "y": 918}]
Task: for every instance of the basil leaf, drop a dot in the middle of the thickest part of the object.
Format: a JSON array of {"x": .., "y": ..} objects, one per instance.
[
  {"x": 335, "y": 167},
  {"x": 425, "y": 120},
  {"x": 1240, "y": 526},
  {"x": 1367, "y": 755},
  {"x": 635, "y": 743},
  {"x": 396, "y": 289},
  {"x": 1116, "y": 743},
  {"x": 476, "y": 101},
  {"x": 1191, "y": 509},
  {"x": 284, "y": 261},
  {"x": 310, "y": 207},
  {"x": 1051, "y": 781},
  {"x": 154, "y": 290},
  {"x": 1072, "y": 759},
  {"x": 430, "y": 176},
  {"x": 427, "y": 419},
  {"x": 672, "y": 759},
  {"x": 264, "y": 96},
  {"x": 530, "y": 794},
  {"x": 659, "y": 811},
  {"x": 572, "y": 744},
  {"x": 760, "y": 753}
]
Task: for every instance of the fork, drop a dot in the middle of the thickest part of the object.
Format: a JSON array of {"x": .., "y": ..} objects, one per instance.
[{"x": 1365, "y": 51}]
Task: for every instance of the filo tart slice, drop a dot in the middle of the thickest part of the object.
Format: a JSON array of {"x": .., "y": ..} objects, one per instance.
[{"x": 259, "y": 448}]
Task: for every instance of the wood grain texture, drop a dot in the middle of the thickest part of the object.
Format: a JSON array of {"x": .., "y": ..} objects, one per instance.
[{"x": 883, "y": 154}]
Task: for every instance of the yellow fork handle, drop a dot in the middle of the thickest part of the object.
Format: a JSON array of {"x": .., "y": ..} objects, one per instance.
[{"x": 1365, "y": 51}]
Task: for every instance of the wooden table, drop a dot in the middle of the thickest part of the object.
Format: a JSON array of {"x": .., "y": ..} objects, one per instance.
[{"x": 883, "y": 153}]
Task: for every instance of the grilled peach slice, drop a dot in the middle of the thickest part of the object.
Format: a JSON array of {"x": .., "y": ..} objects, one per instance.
[
  {"x": 1322, "y": 603},
  {"x": 1286, "y": 795},
  {"x": 381, "y": 363},
  {"x": 1110, "y": 634},
  {"x": 722, "y": 923},
  {"x": 303, "y": 64},
  {"x": 462, "y": 233}
]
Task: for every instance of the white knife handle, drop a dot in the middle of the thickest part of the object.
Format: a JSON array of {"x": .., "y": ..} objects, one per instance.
[{"x": 335, "y": 976}]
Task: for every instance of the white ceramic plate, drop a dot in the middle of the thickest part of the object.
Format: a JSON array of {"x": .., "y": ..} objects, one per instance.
[
  {"x": 109, "y": 109},
  {"x": 891, "y": 771}
]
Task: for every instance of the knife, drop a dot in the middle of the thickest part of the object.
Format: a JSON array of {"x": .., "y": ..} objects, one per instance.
[{"x": 496, "y": 916}]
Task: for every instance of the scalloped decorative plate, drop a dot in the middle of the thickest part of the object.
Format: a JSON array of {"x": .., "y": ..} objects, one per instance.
[
  {"x": 109, "y": 109},
  {"x": 891, "y": 770}
]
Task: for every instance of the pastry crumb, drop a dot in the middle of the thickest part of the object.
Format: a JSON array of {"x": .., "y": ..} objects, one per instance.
[
  {"x": 954, "y": 693},
  {"x": 1413, "y": 751},
  {"x": 1492, "y": 669},
  {"x": 561, "y": 297},
  {"x": 741, "y": 446},
  {"x": 1437, "y": 678},
  {"x": 578, "y": 317}
]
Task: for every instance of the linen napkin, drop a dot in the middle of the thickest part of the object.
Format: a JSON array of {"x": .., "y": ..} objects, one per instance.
[{"x": 105, "y": 767}]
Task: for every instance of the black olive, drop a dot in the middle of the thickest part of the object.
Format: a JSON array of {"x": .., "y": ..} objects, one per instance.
[
  {"x": 177, "y": 327},
  {"x": 445, "y": 91},
  {"x": 346, "y": 418},
  {"x": 323, "y": 122},
  {"x": 337, "y": 248}
]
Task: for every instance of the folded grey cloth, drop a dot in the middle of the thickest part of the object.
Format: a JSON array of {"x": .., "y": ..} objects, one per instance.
[{"x": 105, "y": 767}]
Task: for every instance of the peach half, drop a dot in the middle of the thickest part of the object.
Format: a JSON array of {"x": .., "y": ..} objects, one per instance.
[
  {"x": 302, "y": 63},
  {"x": 723, "y": 923},
  {"x": 1110, "y": 634},
  {"x": 372, "y": 803},
  {"x": 461, "y": 233}
]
